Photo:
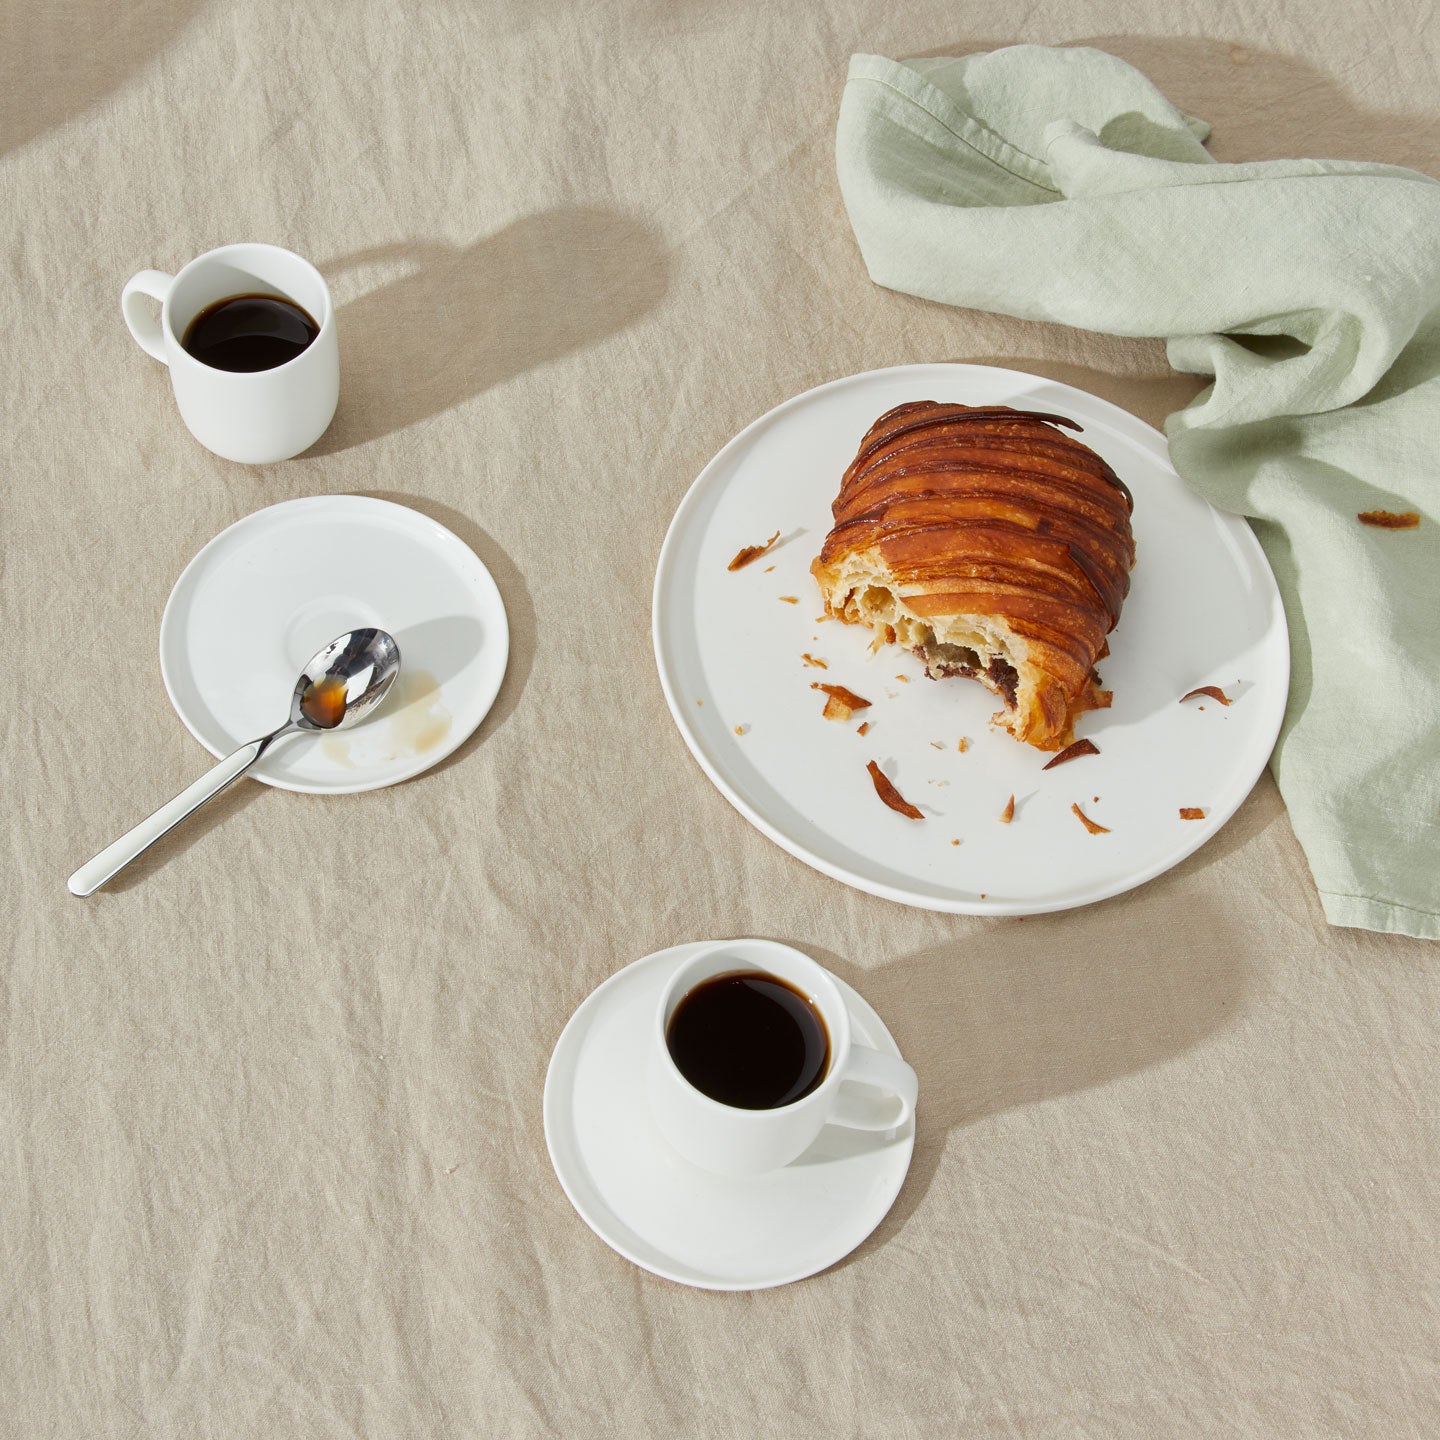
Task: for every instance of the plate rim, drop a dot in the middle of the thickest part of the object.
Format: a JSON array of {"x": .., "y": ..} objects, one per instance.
[
  {"x": 368, "y": 503},
  {"x": 551, "y": 1109},
  {"x": 1136, "y": 429}
]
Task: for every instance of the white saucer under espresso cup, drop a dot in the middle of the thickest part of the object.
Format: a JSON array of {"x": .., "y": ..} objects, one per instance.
[
  {"x": 254, "y": 416},
  {"x": 728, "y": 1140}
]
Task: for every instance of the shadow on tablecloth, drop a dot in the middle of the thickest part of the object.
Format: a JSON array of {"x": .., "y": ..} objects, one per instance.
[
  {"x": 458, "y": 320},
  {"x": 1032, "y": 1010}
]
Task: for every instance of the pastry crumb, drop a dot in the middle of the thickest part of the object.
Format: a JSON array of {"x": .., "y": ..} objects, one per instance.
[
  {"x": 963, "y": 744},
  {"x": 751, "y": 552},
  {"x": 1072, "y": 752},
  {"x": 903, "y": 679},
  {"x": 1191, "y": 812},
  {"x": 791, "y": 599},
  {"x": 864, "y": 728},
  {"x": 1389, "y": 519},
  {"x": 954, "y": 842},
  {"x": 856, "y": 702},
  {"x": 936, "y": 745},
  {"x": 769, "y": 568},
  {"x": 890, "y": 795},
  {"x": 1008, "y": 813},
  {"x": 814, "y": 660},
  {"x": 741, "y": 729},
  {"x": 1087, "y": 822},
  {"x": 841, "y": 703},
  {"x": 1213, "y": 691}
]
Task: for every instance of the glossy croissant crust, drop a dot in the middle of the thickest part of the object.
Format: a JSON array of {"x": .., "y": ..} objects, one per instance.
[{"x": 992, "y": 544}]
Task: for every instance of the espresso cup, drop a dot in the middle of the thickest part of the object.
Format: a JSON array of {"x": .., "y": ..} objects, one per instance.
[
  {"x": 252, "y": 416},
  {"x": 729, "y": 1140}
]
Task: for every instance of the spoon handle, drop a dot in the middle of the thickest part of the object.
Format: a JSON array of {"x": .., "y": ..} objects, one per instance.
[{"x": 117, "y": 855}]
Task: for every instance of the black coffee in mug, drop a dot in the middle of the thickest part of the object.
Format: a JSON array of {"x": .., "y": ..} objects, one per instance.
[
  {"x": 249, "y": 332},
  {"x": 749, "y": 1039}
]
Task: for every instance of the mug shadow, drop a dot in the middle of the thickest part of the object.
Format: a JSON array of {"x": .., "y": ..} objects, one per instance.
[
  {"x": 519, "y": 612},
  {"x": 461, "y": 319},
  {"x": 1026, "y": 1012},
  {"x": 456, "y": 637}
]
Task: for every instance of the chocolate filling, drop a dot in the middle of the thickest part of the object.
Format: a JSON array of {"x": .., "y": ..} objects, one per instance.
[
  {"x": 943, "y": 661},
  {"x": 1002, "y": 674}
]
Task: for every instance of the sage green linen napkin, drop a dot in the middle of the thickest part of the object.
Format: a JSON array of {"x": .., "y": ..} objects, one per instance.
[{"x": 1060, "y": 185}]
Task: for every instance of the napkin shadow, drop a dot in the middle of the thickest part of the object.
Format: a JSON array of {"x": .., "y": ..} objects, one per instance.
[
  {"x": 1229, "y": 83},
  {"x": 519, "y": 610},
  {"x": 460, "y": 319},
  {"x": 1149, "y": 397},
  {"x": 219, "y": 811},
  {"x": 1027, "y": 1012},
  {"x": 1306, "y": 113}
]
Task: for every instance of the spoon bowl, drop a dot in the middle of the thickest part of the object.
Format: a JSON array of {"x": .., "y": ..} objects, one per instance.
[{"x": 345, "y": 681}]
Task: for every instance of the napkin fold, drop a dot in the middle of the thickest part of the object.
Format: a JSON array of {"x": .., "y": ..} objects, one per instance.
[{"x": 1061, "y": 185}]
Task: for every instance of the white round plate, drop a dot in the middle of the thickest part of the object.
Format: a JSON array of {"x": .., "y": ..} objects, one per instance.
[
  {"x": 263, "y": 596},
  {"x": 1203, "y": 610},
  {"x": 659, "y": 1210}
]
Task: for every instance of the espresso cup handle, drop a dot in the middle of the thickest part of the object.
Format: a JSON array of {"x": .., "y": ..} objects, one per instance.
[
  {"x": 884, "y": 1072},
  {"x": 144, "y": 325}
]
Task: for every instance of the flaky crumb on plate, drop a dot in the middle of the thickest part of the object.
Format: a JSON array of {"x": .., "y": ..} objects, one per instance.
[
  {"x": 890, "y": 795},
  {"x": 751, "y": 552}
]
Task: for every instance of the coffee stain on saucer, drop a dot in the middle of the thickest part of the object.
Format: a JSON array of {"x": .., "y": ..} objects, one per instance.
[{"x": 414, "y": 721}]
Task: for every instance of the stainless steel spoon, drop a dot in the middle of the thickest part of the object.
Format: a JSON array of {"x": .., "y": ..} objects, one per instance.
[{"x": 340, "y": 686}]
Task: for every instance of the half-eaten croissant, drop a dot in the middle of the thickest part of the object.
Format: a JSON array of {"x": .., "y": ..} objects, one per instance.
[{"x": 994, "y": 546}]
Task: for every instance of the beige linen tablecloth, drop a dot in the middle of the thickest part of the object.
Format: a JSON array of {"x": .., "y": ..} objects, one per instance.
[{"x": 270, "y": 1151}]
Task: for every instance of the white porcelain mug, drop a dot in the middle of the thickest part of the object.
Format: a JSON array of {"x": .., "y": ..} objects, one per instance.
[
  {"x": 252, "y": 416},
  {"x": 731, "y": 1141}
]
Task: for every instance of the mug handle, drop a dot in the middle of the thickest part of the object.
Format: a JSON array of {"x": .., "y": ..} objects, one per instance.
[
  {"x": 155, "y": 284},
  {"x": 884, "y": 1072}
]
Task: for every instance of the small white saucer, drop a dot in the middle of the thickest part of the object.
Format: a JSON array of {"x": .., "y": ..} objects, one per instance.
[
  {"x": 663, "y": 1213},
  {"x": 263, "y": 596}
]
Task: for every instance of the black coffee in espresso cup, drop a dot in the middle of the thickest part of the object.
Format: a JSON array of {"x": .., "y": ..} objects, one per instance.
[
  {"x": 749, "y": 1039},
  {"x": 249, "y": 332}
]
